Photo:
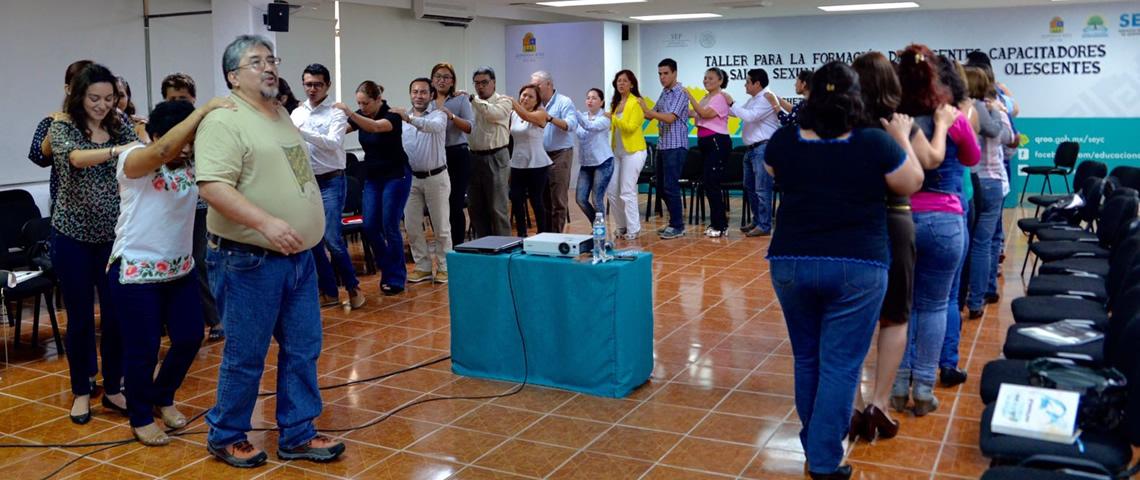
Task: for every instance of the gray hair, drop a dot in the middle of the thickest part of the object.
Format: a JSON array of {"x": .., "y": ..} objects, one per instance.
[
  {"x": 543, "y": 76},
  {"x": 231, "y": 59},
  {"x": 484, "y": 70}
]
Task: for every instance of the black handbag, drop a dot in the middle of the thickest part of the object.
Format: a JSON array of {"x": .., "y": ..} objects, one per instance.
[{"x": 1103, "y": 390}]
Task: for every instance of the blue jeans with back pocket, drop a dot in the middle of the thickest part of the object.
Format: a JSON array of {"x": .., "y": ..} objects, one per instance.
[{"x": 831, "y": 308}]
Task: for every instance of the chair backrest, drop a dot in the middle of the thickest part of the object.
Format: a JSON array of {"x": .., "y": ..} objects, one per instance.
[
  {"x": 1066, "y": 155},
  {"x": 693, "y": 169},
  {"x": 1118, "y": 213},
  {"x": 1116, "y": 344},
  {"x": 353, "y": 167},
  {"x": 734, "y": 168},
  {"x": 17, "y": 207},
  {"x": 1126, "y": 176},
  {"x": 354, "y": 196},
  {"x": 1128, "y": 362},
  {"x": 1089, "y": 168},
  {"x": 1092, "y": 191}
]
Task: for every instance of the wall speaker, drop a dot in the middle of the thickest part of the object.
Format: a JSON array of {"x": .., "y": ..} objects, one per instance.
[
  {"x": 624, "y": 32},
  {"x": 277, "y": 18}
]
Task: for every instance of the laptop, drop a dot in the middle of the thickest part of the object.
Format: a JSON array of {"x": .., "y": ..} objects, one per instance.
[{"x": 490, "y": 245}]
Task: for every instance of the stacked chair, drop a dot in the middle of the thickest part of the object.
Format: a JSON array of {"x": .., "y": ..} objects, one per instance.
[{"x": 1102, "y": 291}]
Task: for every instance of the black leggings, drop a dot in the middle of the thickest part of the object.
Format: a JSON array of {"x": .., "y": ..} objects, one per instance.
[{"x": 528, "y": 183}]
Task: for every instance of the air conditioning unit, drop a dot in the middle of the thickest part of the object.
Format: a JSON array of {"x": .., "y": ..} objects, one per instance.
[{"x": 447, "y": 12}]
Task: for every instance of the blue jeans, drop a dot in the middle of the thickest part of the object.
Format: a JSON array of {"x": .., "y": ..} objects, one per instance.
[
  {"x": 831, "y": 309},
  {"x": 384, "y": 200},
  {"x": 953, "y": 335},
  {"x": 985, "y": 246},
  {"x": 758, "y": 188},
  {"x": 144, "y": 309},
  {"x": 939, "y": 241},
  {"x": 672, "y": 161},
  {"x": 82, "y": 269},
  {"x": 594, "y": 179},
  {"x": 998, "y": 245},
  {"x": 333, "y": 192},
  {"x": 263, "y": 297}
]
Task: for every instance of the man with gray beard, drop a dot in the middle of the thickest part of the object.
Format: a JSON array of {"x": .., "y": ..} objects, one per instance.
[{"x": 265, "y": 215}]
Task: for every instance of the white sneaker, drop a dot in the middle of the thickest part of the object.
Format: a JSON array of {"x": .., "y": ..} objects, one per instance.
[
  {"x": 714, "y": 233},
  {"x": 631, "y": 236}
]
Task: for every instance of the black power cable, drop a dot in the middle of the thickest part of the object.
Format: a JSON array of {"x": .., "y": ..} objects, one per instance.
[{"x": 176, "y": 433}]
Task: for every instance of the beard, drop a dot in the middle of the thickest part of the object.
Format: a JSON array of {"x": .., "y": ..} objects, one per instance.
[{"x": 269, "y": 93}]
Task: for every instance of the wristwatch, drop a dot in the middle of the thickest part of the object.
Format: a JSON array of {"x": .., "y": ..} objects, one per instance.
[
  {"x": 450, "y": 117},
  {"x": 549, "y": 119}
]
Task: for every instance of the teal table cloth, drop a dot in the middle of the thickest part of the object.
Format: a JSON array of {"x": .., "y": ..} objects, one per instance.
[{"x": 587, "y": 328}]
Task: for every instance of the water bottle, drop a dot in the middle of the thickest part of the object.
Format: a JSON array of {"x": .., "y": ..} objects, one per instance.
[{"x": 599, "y": 249}]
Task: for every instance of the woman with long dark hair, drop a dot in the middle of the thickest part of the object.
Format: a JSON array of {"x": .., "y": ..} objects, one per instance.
[
  {"x": 711, "y": 115},
  {"x": 387, "y": 184},
  {"x": 126, "y": 106},
  {"x": 881, "y": 93},
  {"x": 939, "y": 229},
  {"x": 85, "y": 148},
  {"x": 630, "y": 151},
  {"x": 829, "y": 266},
  {"x": 530, "y": 164}
]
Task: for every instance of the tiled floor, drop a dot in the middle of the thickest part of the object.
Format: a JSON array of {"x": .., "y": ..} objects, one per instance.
[{"x": 719, "y": 403}]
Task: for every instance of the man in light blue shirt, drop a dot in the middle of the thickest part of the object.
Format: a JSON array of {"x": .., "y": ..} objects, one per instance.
[{"x": 558, "y": 140}]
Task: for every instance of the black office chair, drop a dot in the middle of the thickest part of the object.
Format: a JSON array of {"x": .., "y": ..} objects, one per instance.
[
  {"x": 648, "y": 177},
  {"x": 691, "y": 174},
  {"x": 1126, "y": 176},
  {"x": 734, "y": 180},
  {"x": 1086, "y": 169},
  {"x": 1063, "y": 161},
  {"x": 352, "y": 221}
]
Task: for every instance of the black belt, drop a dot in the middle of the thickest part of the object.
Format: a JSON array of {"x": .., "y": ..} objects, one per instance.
[
  {"x": 324, "y": 177},
  {"x": 552, "y": 153},
  {"x": 488, "y": 152},
  {"x": 757, "y": 144},
  {"x": 429, "y": 173},
  {"x": 458, "y": 145},
  {"x": 226, "y": 244}
]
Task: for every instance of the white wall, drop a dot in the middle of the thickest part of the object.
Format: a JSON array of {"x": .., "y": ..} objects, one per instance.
[
  {"x": 389, "y": 46},
  {"x": 309, "y": 40}
]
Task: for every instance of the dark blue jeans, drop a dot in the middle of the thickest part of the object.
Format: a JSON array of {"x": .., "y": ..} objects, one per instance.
[
  {"x": 384, "y": 200},
  {"x": 144, "y": 309},
  {"x": 714, "y": 152},
  {"x": 758, "y": 188},
  {"x": 953, "y": 336},
  {"x": 672, "y": 162},
  {"x": 263, "y": 297},
  {"x": 333, "y": 192},
  {"x": 82, "y": 269},
  {"x": 594, "y": 179},
  {"x": 831, "y": 308},
  {"x": 984, "y": 250},
  {"x": 939, "y": 240}
]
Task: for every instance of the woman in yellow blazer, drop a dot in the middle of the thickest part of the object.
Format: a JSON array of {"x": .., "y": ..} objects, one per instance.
[{"x": 628, "y": 141}]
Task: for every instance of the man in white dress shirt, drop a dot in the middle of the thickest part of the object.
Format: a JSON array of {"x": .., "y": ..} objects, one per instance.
[
  {"x": 759, "y": 116},
  {"x": 323, "y": 128},
  {"x": 424, "y": 135}
]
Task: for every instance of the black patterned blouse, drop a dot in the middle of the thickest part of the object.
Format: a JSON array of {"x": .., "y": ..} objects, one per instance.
[{"x": 87, "y": 200}]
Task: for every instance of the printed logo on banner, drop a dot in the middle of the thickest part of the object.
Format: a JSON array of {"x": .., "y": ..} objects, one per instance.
[
  {"x": 1095, "y": 27},
  {"x": 529, "y": 43},
  {"x": 1057, "y": 25},
  {"x": 707, "y": 40},
  {"x": 1130, "y": 24},
  {"x": 677, "y": 40}
]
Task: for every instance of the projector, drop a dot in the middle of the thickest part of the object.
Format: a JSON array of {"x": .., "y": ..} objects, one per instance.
[{"x": 558, "y": 244}]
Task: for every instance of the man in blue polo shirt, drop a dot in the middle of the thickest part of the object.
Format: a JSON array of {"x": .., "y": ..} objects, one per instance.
[
  {"x": 672, "y": 114},
  {"x": 558, "y": 140}
]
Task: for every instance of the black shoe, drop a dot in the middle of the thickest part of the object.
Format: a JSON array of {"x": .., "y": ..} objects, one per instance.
[
  {"x": 244, "y": 445},
  {"x": 841, "y": 473},
  {"x": 308, "y": 452},
  {"x": 744, "y": 229},
  {"x": 992, "y": 298},
  {"x": 976, "y": 314},
  {"x": 951, "y": 377},
  {"x": 81, "y": 419},
  {"x": 109, "y": 405}
]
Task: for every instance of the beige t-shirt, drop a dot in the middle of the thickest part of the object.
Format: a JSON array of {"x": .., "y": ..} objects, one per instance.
[{"x": 267, "y": 161}]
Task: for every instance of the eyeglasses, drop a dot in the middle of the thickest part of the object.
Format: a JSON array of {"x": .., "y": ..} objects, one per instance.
[
  {"x": 258, "y": 63},
  {"x": 442, "y": 77},
  {"x": 480, "y": 83},
  {"x": 314, "y": 85}
]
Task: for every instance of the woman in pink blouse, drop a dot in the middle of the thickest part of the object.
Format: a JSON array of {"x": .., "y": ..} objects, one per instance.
[{"x": 711, "y": 114}]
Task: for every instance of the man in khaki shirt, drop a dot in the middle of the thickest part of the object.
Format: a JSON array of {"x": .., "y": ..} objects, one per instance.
[
  {"x": 490, "y": 161},
  {"x": 265, "y": 215}
]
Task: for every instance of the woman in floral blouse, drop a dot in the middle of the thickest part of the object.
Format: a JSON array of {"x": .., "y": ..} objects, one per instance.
[
  {"x": 151, "y": 265},
  {"x": 84, "y": 148}
]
